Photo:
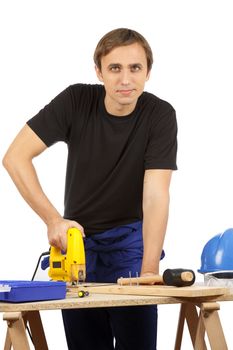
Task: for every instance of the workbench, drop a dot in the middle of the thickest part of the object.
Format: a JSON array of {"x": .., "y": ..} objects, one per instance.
[{"x": 200, "y": 313}]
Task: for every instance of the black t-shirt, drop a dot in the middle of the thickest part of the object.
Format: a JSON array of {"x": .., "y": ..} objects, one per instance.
[{"x": 107, "y": 155}]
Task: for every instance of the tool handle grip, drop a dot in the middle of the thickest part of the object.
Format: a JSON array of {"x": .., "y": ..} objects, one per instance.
[
  {"x": 187, "y": 276},
  {"x": 156, "y": 279}
]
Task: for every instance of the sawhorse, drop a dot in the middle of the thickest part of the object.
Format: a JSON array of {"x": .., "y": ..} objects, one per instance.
[{"x": 207, "y": 322}]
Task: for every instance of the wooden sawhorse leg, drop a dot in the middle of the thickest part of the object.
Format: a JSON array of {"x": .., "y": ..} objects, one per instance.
[
  {"x": 207, "y": 321},
  {"x": 16, "y": 336}
]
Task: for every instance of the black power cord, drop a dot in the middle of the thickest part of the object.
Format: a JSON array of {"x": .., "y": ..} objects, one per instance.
[
  {"x": 33, "y": 276},
  {"x": 38, "y": 263}
]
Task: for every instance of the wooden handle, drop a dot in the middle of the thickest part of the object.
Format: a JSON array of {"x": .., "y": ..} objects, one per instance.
[
  {"x": 187, "y": 276},
  {"x": 156, "y": 279}
]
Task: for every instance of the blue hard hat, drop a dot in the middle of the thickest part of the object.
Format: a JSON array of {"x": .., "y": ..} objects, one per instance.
[{"x": 217, "y": 254}]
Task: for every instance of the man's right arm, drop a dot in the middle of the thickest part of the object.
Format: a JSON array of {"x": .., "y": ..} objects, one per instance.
[{"x": 18, "y": 161}]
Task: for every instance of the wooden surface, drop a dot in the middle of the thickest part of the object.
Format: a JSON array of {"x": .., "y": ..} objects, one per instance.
[
  {"x": 93, "y": 300},
  {"x": 98, "y": 298},
  {"x": 16, "y": 314},
  {"x": 194, "y": 291}
]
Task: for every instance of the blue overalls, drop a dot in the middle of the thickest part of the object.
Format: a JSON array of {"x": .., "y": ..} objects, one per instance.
[{"x": 110, "y": 255}]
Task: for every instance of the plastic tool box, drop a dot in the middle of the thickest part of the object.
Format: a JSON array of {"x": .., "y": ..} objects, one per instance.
[{"x": 23, "y": 291}]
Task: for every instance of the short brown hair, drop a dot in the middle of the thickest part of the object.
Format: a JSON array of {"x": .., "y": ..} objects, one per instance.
[{"x": 121, "y": 37}]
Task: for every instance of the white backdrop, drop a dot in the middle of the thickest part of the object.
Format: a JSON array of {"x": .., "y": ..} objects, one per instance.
[{"x": 48, "y": 45}]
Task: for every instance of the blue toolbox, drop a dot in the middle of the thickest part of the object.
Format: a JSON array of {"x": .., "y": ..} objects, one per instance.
[{"x": 25, "y": 291}]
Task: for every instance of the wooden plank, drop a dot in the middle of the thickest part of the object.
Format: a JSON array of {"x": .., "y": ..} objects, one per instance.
[
  {"x": 189, "y": 314},
  {"x": 212, "y": 324},
  {"x": 17, "y": 331},
  {"x": 106, "y": 300},
  {"x": 7, "y": 345},
  {"x": 180, "y": 328},
  {"x": 38, "y": 335},
  {"x": 195, "y": 326},
  {"x": 72, "y": 301},
  {"x": 200, "y": 336},
  {"x": 194, "y": 291}
]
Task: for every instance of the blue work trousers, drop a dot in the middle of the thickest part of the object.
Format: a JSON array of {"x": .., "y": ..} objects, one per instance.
[{"x": 109, "y": 255}]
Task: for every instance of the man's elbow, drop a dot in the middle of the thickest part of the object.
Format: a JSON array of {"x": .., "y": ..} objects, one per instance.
[
  {"x": 8, "y": 162},
  {"x": 13, "y": 160}
]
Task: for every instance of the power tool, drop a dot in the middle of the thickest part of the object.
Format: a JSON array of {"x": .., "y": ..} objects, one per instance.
[{"x": 69, "y": 266}]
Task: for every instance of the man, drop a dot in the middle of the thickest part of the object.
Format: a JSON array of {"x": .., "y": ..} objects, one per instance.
[{"x": 121, "y": 153}]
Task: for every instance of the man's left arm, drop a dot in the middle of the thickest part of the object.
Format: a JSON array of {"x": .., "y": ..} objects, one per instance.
[{"x": 155, "y": 217}]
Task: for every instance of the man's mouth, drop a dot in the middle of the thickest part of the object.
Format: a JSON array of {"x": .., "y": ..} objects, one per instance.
[{"x": 125, "y": 92}]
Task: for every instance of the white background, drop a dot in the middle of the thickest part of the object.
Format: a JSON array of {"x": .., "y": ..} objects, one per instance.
[{"x": 48, "y": 45}]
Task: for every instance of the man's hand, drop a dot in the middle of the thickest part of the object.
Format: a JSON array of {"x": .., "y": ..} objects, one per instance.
[
  {"x": 148, "y": 274},
  {"x": 57, "y": 231}
]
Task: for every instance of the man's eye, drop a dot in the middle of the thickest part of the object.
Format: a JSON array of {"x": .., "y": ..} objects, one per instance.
[
  {"x": 135, "y": 68},
  {"x": 115, "y": 69}
]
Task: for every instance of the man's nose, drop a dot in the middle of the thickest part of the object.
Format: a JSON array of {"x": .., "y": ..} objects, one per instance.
[{"x": 125, "y": 77}]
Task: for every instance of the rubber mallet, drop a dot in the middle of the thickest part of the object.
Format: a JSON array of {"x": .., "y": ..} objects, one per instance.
[{"x": 170, "y": 277}]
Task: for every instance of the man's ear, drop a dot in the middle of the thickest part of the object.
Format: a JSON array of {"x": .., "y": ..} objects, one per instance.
[{"x": 99, "y": 74}]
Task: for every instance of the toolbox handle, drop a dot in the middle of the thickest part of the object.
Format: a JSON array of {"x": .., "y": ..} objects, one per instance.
[{"x": 5, "y": 288}]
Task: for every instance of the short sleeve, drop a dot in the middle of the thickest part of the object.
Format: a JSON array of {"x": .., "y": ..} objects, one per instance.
[
  {"x": 161, "y": 149},
  {"x": 53, "y": 122}
]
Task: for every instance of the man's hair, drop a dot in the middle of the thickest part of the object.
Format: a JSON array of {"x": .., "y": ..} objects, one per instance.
[{"x": 121, "y": 37}]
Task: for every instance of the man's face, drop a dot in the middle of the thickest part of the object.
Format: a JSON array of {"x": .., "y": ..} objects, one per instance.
[{"x": 124, "y": 73}]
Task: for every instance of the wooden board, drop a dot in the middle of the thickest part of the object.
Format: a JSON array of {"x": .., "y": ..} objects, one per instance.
[
  {"x": 72, "y": 301},
  {"x": 196, "y": 291}
]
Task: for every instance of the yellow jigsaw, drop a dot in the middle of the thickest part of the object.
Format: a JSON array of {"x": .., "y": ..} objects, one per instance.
[{"x": 69, "y": 266}]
